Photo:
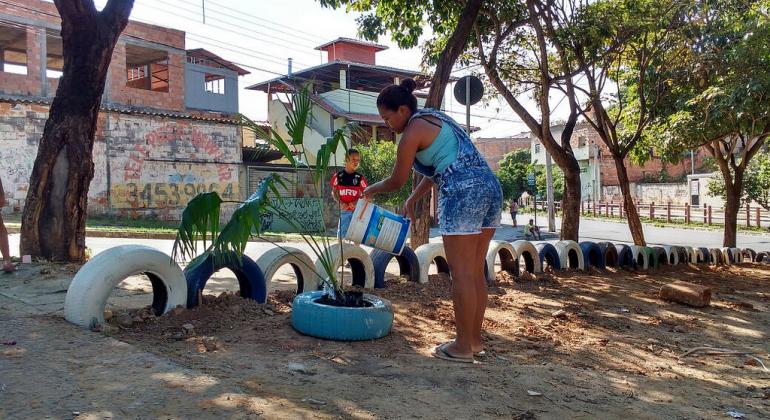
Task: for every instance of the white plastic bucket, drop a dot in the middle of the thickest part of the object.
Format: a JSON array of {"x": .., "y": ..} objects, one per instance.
[{"x": 376, "y": 227}]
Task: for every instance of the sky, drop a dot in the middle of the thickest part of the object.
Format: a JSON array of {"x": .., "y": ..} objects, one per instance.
[{"x": 260, "y": 36}]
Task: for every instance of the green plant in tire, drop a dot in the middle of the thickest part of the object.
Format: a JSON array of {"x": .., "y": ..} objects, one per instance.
[{"x": 200, "y": 219}]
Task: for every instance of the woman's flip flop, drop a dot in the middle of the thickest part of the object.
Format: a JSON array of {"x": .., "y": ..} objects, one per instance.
[{"x": 441, "y": 353}]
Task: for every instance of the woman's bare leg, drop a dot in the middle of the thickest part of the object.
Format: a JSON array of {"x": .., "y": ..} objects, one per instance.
[
  {"x": 464, "y": 290},
  {"x": 480, "y": 281}
]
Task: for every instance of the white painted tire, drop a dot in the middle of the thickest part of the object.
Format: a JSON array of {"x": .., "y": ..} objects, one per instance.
[
  {"x": 94, "y": 282},
  {"x": 524, "y": 248},
  {"x": 737, "y": 255},
  {"x": 671, "y": 254},
  {"x": 273, "y": 259},
  {"x": 692, "y": 254},
  {"x": 749, "y": 255},
  {"x": 428, "y": 254},
  {"x": 717, "y": 256},
  {"x": 564, "y": 248},
  {"x": 639, "y": 253},
  {"x": 506, "y": 252},
  {"x": 726, "y": 255},
  {"x": 698, "y": 256},
  {"x": 360, "y": 264}
]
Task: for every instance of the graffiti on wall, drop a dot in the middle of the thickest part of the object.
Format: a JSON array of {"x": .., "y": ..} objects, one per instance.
[{"x": 173, "y": 164}]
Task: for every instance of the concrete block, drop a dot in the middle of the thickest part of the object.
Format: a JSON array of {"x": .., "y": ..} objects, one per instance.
[{"x": 686, "y": 293}]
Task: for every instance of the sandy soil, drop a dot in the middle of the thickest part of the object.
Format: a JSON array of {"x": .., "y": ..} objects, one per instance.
[{"x": 614, "y": 353}]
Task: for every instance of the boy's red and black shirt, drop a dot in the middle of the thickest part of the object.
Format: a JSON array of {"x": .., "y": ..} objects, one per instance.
[{"x": 349, "y": 185}]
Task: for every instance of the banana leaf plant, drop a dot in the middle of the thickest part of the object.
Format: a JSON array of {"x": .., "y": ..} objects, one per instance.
[{"x": 200, "y": 219}]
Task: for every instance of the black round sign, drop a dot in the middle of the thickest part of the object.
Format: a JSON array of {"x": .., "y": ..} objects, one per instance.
[{"x": 477, "y": 89}]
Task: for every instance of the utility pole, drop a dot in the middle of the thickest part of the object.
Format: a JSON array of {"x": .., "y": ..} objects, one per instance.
[{"x": 549, "y": 194}]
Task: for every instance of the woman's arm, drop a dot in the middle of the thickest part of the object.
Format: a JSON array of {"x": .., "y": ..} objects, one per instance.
[{"x": 415, "y": 135}]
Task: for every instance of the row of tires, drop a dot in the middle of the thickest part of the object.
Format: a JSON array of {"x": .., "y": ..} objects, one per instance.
[{"x": 88, "y": 293}]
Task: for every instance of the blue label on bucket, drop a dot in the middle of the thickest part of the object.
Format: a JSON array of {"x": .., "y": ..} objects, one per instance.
[{"x": 376, "y": 227}]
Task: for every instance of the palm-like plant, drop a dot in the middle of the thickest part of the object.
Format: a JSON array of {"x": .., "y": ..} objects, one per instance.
[{"x": 200, "y": 219}]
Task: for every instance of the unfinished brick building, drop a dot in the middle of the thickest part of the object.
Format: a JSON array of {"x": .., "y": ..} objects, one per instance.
[{"x": 166, "y": 130}]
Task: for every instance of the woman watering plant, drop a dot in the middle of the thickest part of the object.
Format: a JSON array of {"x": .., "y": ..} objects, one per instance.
[{"x": 469, "y": 203}]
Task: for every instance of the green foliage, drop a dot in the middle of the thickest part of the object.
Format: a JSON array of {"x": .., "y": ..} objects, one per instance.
[
  {"x": 512, "y": 174},
  {"x": 514, "y": 169},
  {"x": 200, "y": 219},
  {"x": 377, "y": 161},
  {"x": 756, "y": 182}
]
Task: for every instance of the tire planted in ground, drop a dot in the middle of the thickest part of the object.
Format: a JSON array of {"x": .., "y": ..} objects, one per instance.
[
  {"x": 692, "y": 254},
  {"x": 548, "y": 255},
  {"x": 428, "y": 254},
  {"x": 703, "y": 256},
  {"x": 274, "y": 258},
  {"x": 509, "y": 260},
  {"x": 625, "y": 256},
  {"x": 94, "y": 282},
  {"x": 736, "y": 255},
  {"x": 528, "y": 253},
  {"x": 763, "y": 257},
  {"x": 361, "y": 266},
  {"x": 592, "y": 255},
  {"x": 341, "y": 323},
  {"x": 661, "y": 257},
  {"x": 672, "y": 254},
  {"x": 682, "y": 254},
  {"x": 727, "y": 256},
  {"x": 749, "y": 255},
  {"x": 651, "y": 259},
  {"x": 642, "y": 258},
  {"x": 570, "y": 255},
  {"x": 408, "y": 265},
  {"x": 610, "y": 254},
  {"x": 717, "y": 257},
  {"x": 251, "y": 281}
]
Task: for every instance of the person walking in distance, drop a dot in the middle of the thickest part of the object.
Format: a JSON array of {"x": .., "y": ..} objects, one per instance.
[
  {"x": 4, "y": 249},
  {"x": 470, "y": 203},
  {"x": 348, "y": 186},
  {"x": 514, "y": 211}
]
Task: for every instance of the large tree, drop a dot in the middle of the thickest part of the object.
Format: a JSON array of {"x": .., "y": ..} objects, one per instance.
[
  {"x": 54, "y": 218},
  {"x": 520, "y": 46},
  {"x": 719, "y": 98},
  {"x": 622, "y": 47},
  {"x": 404, "y": 19}
]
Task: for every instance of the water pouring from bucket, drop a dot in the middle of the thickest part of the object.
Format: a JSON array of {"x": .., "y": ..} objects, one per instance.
[{"x": 376, "y": 227}]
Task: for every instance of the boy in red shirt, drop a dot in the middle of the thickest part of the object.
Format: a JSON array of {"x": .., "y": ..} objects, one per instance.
[{"x": 348, "y": 187}]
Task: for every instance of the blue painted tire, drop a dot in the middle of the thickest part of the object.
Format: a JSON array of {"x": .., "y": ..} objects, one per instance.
[
  {"x": 610, "y": 254},
  {"x": 549, "y": 255},
  {"x": 407, "y": 264},
  {"x": 625, "y": 257},
  {"x": 341, "y": 323},
  {"x": 592, "y": 255},
  {"x": 659, "y": 256},
  {"x": 706, "y": 256},
  {"x": 250, "y": 279}
]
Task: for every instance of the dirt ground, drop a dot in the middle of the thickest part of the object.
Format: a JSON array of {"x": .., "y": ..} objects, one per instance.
[{"x": 612, "y": 354}]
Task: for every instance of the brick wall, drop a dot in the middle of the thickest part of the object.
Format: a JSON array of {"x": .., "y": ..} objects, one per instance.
[
  {"x": 143, "y": 166},
  {"x": 39, "y": 15},
  {"x": 493, "y": 149}
]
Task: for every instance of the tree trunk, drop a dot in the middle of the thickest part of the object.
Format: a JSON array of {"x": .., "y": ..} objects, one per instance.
[
  {"x": 732, "y": 207},
  {"x": 454, "y": 47},
  {"x": 570, "y": 217},
  {"x": 632, "y": 215},
  {"x": 54, "y": 217}
]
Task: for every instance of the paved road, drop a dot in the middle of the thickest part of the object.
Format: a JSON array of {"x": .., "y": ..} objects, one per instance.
[
  {"x": 616, "y": 231},
  {"x": 592, "y": 230}
]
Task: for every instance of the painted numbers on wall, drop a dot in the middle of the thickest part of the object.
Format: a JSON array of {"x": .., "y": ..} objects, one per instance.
[{"x": 134, "y": 195}]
